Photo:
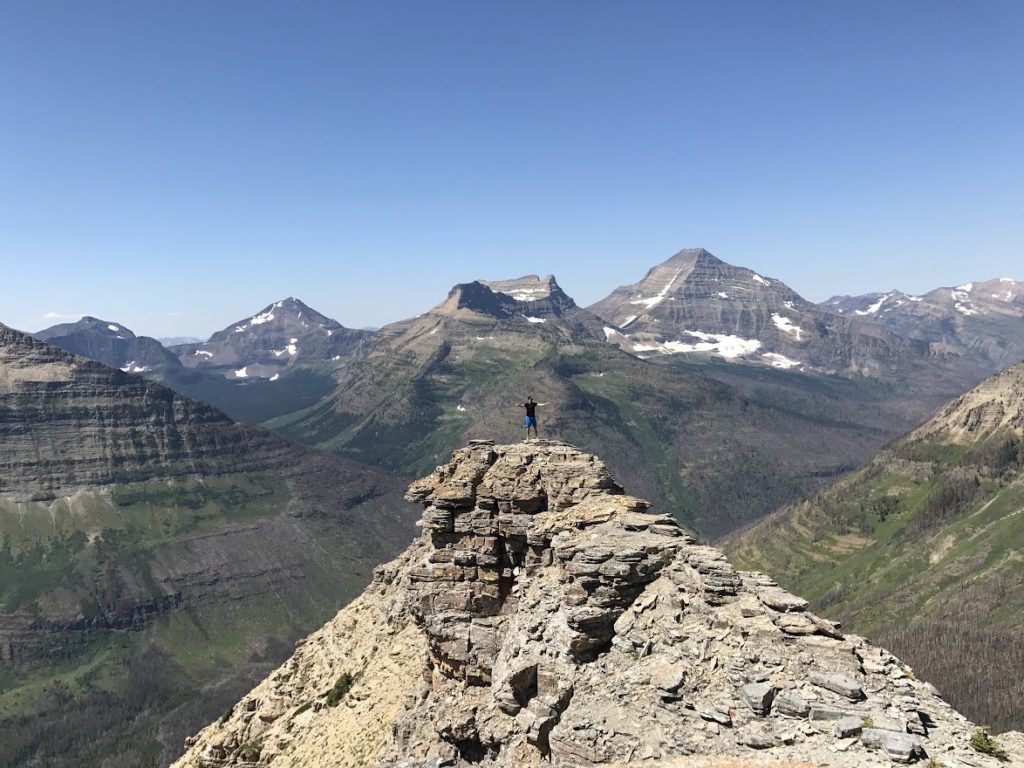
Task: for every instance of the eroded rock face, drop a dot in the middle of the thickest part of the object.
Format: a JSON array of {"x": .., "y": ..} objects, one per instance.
[{"x": 545, "y": 617}]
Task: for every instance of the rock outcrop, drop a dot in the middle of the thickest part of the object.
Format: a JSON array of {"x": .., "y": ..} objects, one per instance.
[{"x": 545, "y": 617}]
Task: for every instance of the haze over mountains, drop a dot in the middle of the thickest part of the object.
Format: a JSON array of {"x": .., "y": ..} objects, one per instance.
[{"x": 152, "y": 549}]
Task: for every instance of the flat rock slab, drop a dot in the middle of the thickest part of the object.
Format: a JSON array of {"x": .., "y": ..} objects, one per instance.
[
  {"x": 901, "y": 747},
  {"x": 841, "y": 684}
]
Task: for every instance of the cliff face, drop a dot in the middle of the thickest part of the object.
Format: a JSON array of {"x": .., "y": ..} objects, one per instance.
[
  {"x": 68, "y": 423},
  {"x": 544, "y": 617},
  {"x": 144, "y": 533}
]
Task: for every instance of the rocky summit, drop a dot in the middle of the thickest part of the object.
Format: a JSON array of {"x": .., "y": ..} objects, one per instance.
[
  {"x": 544, "y": 617},
  {"x": 696, "y": 305},
  {"x": 285, "y": 334}
]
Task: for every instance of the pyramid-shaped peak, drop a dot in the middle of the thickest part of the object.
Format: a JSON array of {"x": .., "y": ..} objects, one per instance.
[{"x": 693, "y": 256}]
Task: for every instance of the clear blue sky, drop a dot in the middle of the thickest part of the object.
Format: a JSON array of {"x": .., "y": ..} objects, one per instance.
[{"x": 175, "y": 166}]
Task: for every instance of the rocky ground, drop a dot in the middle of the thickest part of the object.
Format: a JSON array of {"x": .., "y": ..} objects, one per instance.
[{"x": 543, "y": 617}]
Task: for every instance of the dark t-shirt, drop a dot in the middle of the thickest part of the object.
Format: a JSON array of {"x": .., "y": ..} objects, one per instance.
[{"x": 531, "y": 409}]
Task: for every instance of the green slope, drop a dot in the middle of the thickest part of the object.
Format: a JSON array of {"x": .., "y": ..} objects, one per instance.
[
  {"x": 157, "y": 558},
  {"x": 714, "y": 454},
  {"x": 922, "y": 544}
]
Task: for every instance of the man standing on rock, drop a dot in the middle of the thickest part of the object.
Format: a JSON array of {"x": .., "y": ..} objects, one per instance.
[{"x": 531, "y": 415}]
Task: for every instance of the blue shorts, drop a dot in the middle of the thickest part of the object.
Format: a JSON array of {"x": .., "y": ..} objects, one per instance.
[{"x": 529, "y": 421}]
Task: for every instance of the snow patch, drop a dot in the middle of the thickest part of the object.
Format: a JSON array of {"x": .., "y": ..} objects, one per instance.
[
  {"x": 758, "y": 279},
  {"x": 629, "y": 320},
  {"x": 203, "y": 353},
  {"x": 965, "y": 287},
  {"x": 263, "y": 317},
  {"x": 275, "y": 377},
  {"x": 330, "y": 332},
  {"x": 239, "y": 329},
  {"x": 432, "y": 332},
  {"x": 723, "y": 295},
  {"x": 724, "y": 345},
  {"x": 240, "y": 373},
  {"x": 916, "y": 298},
  {"x": 610, "y": 332},
  {"x": 113, "y": 327},
  {"x": 786, "y": 325},
  {"x": 874, "y": 307},
  {"x": 535, "y": 319},
  {"x": 788, "y": 305},
  {"x": 660, "y": 297},
  {"x": 460, "y": 408},
  {"x": 291, "y": 349},
  {"x": 336, "y": 357},
  {"x": 527, "y": 294},
  {"x": 1007, "y": 280},
  {"x": 779, "y": 361},
  {"x": 965, "y": 309}
]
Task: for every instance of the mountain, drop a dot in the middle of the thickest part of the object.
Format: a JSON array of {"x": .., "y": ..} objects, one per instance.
[
  {"x": 278, "y": 361},
  {"x": 285, "y": 334},
  {"x": 112, "y": 344},
  {"x": 922, "y": 548},
  {"x": 697, "y": 305},
  {"x": 543, "y": 617},
  {"x": 715, "y": 455},
  {"x": 983, "y": 321},
  {"x": 156, "y": 557}
]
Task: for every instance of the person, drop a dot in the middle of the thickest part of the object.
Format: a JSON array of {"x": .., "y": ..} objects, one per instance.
[{"x": 531, "y": 415}]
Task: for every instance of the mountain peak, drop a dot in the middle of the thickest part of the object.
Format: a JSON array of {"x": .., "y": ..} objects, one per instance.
[
  {"x": 87, "y": 324},
  {"x": 693, "y": 256},
  {"x": 530, "y": 297},
  {"x": 540, "y": 609}
]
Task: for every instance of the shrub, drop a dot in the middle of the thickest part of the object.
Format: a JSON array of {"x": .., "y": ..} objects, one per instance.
[
  {"x": 984, "y": 743},
  {"x": 340, "y": 689}
]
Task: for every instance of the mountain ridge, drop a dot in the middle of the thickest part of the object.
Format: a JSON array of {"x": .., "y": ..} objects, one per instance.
[{"x": 981, "y": 320}]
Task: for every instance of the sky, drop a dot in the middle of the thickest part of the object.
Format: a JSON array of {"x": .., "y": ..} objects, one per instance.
[{"x": 178, "y": 166}]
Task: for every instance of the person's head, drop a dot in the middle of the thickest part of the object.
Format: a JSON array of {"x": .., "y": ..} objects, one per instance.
[{"x": 529, "y": 399}]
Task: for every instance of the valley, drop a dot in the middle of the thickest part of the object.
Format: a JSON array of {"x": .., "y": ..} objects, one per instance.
[{"x": 151, "y": 548}]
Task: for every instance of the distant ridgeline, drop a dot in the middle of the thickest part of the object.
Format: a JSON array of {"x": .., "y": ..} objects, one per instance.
[{"x": 721, "y": 391}]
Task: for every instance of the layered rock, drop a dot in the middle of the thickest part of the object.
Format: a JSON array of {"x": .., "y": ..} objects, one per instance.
[
  {"x": 981, "y": 320},
  {"x": 697, "y": 305},
  {"x": 545, "y": 617},
  {"x": 130, "y": 514}
]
